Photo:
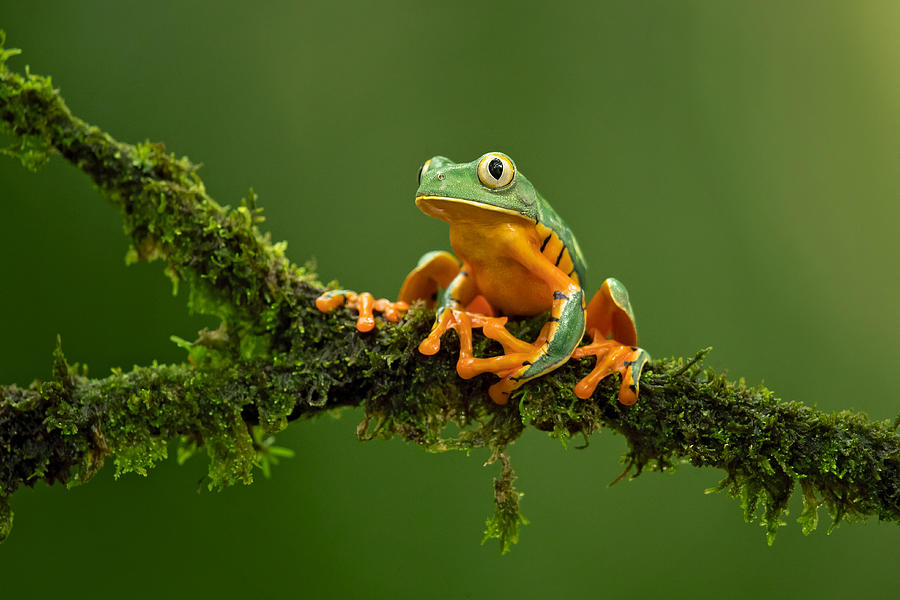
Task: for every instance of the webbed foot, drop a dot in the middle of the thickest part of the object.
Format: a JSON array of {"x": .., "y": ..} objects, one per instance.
[
  {"x": 366, "y": 306},
  {"x": 516, "y": 352},
  {"x": 612, "y": 357}
]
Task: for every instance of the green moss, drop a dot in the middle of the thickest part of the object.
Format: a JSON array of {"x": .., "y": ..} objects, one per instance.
[
  {"x": 6, "y": 517},
  {"x": 504, "y": 524}
]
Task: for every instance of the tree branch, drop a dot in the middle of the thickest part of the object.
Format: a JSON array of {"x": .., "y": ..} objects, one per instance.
[{"x": 276, "y": 358}]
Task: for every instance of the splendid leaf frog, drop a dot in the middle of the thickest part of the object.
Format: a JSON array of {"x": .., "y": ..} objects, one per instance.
[{"x": 518, "y": 259}]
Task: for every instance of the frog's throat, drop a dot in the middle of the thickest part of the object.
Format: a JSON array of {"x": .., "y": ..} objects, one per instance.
[{"x": 448, "y": 209}]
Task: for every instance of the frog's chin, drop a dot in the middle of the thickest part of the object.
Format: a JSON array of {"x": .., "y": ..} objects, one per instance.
[{"x": 461, "y": 209}]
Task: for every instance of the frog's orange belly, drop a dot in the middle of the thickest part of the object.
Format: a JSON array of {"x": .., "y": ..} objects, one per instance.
[{"x": 511, "y": 289}]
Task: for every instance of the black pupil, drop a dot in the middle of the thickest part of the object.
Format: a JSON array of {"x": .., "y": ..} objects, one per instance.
[{"x": 495, "y": 168}]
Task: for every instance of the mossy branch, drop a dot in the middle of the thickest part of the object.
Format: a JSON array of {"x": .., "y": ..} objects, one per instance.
[{"x": 276, "y": 358}]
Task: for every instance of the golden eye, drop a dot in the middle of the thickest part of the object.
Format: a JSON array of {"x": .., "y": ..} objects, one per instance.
[
  {"x": 423, "y": 169},
  {"x": 496, "y": 171}
]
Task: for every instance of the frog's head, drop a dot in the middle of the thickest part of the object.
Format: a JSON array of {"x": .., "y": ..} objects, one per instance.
[{"x": 463, "y": 191}]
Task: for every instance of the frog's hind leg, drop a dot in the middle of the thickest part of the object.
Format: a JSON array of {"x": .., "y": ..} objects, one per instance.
[
  {"x": 610, "y": 323},
  {"x": 435, "y": 270},
  {"x": 523, "y": 361}
]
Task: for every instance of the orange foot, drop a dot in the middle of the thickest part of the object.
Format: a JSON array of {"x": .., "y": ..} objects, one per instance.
[
  {"x": 516, "y": 351},
  {"x": 365, "y": 304},
  {"x": 612, "y": 357}
]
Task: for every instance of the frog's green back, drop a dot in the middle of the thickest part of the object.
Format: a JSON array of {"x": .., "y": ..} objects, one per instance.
[{"x": 549, "y": 218}]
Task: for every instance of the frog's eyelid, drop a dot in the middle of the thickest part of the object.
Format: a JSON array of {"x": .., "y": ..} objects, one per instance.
[{"x": 423, "y": 169}]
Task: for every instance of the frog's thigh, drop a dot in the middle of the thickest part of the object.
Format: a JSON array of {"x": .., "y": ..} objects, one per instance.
[
  {"x": 435, "y": 269},
  {"x": 565, "y": 331},
  {"x": 566, "y": 328},
  {"x": 610, "y": 313}
]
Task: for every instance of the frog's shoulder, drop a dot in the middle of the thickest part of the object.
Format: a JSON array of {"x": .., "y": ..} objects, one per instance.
[{"x": 558, "y": 242}]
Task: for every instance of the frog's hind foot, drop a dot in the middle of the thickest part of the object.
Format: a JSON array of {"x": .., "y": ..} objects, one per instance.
[
  {"x": 612, "y": 357},
  {"x": 508, "y": 367},
  {"x": 610, "y": 324},
  {"x": 366, "y": 306},
  {"x": 520, "y": 362}
]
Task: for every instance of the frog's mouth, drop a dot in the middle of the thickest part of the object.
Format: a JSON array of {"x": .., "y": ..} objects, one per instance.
[{"x": 462, "y": 209}]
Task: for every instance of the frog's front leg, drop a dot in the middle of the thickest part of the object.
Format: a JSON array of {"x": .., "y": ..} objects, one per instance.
[
  {"x": 552, "y": 349},
  {"x": 450, "y": 311},
  {"x": 434, "y": 270},
  {"x": 365, "y": 304}
]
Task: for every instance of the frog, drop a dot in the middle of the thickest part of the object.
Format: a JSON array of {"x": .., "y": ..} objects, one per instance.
[{"x": 514, "y": 257}]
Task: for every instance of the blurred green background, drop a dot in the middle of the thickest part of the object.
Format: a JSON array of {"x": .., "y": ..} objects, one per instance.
[{"x": 734, "y": 163}]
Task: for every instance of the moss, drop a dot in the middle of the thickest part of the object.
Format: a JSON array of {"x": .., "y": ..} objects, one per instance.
[
  {"x": 275, "y": 359},
  {"x": 6, "y": 517},
  {"x": 504, "y": 524}
]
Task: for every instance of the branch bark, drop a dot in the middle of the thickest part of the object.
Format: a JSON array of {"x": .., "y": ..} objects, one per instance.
[{"x": 276, "y": 358}]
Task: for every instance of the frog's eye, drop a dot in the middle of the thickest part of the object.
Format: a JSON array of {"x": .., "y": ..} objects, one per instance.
[
  {"x": 495, "y": 171},
  {"x": 423, "y": 169}
]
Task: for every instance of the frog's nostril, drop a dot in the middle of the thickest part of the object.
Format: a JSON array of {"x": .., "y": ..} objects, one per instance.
[{"x": 440, "y": 176}]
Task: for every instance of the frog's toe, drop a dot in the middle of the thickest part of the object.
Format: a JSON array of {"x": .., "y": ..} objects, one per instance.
[
  {"x": 392, "y": 311},
  {"x": 365, "y": 321},
  {"x": 612, "y": 357},
  {"x": 334, "y": 298},
  {"x": 631, "y": 376},
  {"x": 432, "y": 344},
  {"x": 500, "y": 391}
]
